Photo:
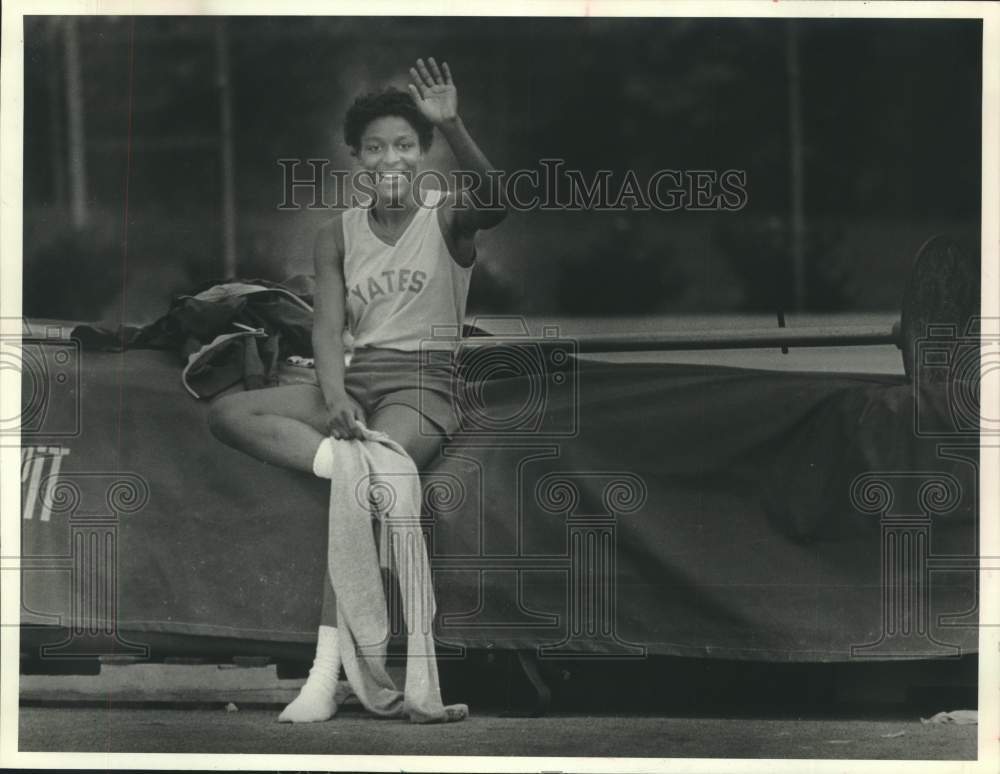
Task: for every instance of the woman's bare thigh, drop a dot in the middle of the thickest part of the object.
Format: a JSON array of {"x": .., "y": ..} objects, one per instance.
[
  {"x": 403, "y": 425},
  {"x": 303, "y": 402}
]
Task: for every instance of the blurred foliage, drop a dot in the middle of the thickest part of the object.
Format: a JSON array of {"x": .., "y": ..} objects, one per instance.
[
  {"x": 488, "y": 291},
  {"x": 891, "y": 113},
  {"x": 619, "y": 274},
  {"x": 760, "y": 253},
  {"x": 69, "y": 277}
]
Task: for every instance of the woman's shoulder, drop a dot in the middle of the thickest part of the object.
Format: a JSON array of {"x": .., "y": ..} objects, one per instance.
[
  {"x": 330, "y": 236},
  {"x": 333, "y": 228}
]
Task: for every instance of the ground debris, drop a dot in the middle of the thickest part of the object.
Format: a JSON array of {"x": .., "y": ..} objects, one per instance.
[{"x": 956, "y": 717}]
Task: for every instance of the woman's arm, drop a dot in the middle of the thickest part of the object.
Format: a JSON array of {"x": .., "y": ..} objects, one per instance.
[
  {"x": 437, "y": 98},
  {"x": 328, "y": 332}
]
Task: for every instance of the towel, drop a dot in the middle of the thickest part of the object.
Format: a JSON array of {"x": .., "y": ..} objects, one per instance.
[{"x": 376, "y": 477}]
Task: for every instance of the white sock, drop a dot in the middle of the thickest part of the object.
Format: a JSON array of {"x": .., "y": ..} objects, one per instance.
[
  {"x": 323, "y": 460},
  {"x": 315, "y": 701}
]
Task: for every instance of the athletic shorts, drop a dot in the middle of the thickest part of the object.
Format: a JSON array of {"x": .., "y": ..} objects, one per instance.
[{"x": 378, "y": 377}]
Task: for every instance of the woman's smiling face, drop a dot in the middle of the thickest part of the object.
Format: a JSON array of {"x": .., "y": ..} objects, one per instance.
[{"x": 390, "y": 151}]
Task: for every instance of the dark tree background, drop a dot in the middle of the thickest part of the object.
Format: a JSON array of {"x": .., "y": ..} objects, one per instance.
[{"x": 889, "y": 115}]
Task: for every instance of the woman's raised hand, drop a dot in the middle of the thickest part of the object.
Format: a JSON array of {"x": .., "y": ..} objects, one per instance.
[{"x": 433, "y": 91}]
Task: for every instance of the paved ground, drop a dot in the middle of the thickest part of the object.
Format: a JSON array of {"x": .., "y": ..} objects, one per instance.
[
  {"x": 729, "y": 711},
  {"x": 75, "y": 729}
]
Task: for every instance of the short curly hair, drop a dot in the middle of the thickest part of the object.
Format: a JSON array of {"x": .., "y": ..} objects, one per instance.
[{"x": 389, "y": 102}]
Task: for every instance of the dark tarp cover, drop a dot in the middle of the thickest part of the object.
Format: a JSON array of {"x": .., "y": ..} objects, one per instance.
[{"x": 684, "y": 510}]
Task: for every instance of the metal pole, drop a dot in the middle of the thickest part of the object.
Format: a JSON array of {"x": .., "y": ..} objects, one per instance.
[
  {"x": 763, "y": 338},
  {"x": 56, "y": 148},
  {"x": 226, "y": 140},
  {"x": 797, "y": 167},
  {"x": 74, "y": 111}
]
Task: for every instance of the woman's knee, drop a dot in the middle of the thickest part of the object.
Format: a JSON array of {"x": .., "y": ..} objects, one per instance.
[{"x": 225, "y": 415}]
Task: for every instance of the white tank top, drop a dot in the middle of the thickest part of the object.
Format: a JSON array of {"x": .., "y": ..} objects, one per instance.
[{"x": 406, "y": 296}]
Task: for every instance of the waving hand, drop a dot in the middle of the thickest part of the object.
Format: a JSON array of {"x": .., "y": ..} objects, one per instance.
[{"x": 434, "y": 92}]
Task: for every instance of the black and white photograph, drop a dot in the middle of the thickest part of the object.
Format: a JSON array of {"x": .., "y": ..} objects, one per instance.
[{"x": 447, "y": 387}]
